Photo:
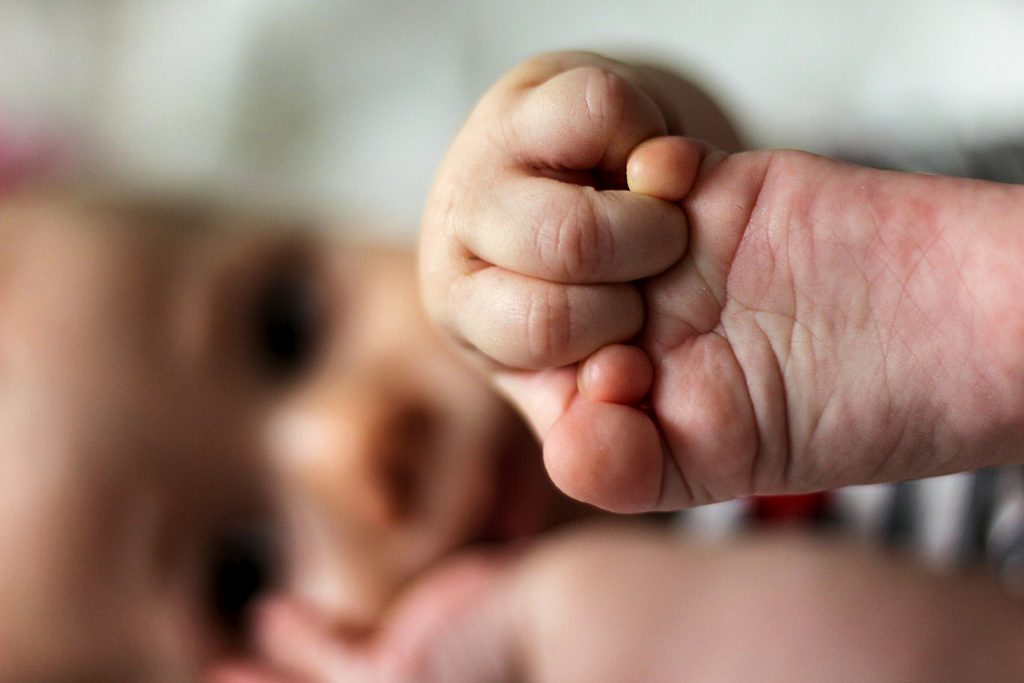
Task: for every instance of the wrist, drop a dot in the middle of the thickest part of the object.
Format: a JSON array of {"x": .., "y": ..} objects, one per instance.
[
  {"x": 960, "y": 247},
  {"x": 990, "y": 222}
]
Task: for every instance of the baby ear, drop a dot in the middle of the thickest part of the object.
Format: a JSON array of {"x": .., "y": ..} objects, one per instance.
[{"x": 665, "y": 167}]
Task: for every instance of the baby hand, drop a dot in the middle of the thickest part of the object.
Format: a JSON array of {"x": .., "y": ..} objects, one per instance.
[
  {"x": 755, "y": 323},
  {"x": 581, "y": 605},
  {"x": 534, "y": 253},
  {"x": 531, "y": 242}
]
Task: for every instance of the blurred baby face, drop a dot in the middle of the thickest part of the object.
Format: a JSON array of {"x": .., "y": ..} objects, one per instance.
[{"x": 190, "y": 412}]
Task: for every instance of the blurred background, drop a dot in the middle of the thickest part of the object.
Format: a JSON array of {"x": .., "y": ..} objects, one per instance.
[{"x": 348, "y": 105}]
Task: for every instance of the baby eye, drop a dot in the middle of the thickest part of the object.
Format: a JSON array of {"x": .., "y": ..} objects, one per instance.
[
  {"x": 286, "y": 323},
  {"x": 244, "y": 565}
]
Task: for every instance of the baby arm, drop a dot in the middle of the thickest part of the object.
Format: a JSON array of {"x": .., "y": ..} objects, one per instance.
[
  {"x": 760, "y": 322},
  {"x": 611, "y": 605}
]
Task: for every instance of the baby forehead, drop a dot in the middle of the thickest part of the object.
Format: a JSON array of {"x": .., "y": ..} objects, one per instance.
[
  {"x": 40, "y": 224},
  {"x": 52, "y": 238},
  {"x": 43, "y": 212},
  {"x": 73, "y": 242},
  {"x": 73, "y": 206},
  {"x": 70, "y": 264},
  {"x": 100, "y": 228}
]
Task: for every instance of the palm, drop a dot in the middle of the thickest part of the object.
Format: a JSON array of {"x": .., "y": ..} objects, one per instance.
[{"x": 789, "y": 353}]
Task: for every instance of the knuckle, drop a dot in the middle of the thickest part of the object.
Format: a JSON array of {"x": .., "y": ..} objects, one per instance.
[
  {"x": 573, "y": 239},
  {"x": 547, "y": 327},
  {"x": 607, "y": 97}
]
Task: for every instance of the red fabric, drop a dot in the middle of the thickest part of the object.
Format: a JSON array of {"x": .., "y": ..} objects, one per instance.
[{"x": 793, "y": 508}]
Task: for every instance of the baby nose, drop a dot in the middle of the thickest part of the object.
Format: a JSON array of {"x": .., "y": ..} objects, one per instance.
[
  {"x": 358, "y": 453},
  {"x": 353, "y": 460}
]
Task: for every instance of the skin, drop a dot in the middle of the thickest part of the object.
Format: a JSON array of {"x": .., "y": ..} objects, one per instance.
[
  {"x": 579, "y": 605},
  {"x": 140, "y": 426},
  {"x": 737, "y": 324},
  {"x": 772, "y": 609}
]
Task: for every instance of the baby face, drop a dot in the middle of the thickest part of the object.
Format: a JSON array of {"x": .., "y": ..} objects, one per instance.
[{"x": 191, "y": 412}]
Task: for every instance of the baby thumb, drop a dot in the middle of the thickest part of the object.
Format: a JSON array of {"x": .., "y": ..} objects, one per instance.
[{"x": 541, "y": 396}]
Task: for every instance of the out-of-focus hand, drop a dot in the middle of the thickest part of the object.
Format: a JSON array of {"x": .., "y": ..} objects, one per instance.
[{"x": 613, "y": 604}]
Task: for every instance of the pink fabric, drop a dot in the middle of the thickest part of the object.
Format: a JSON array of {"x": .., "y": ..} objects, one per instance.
[{"x": 22, "y": 156}]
